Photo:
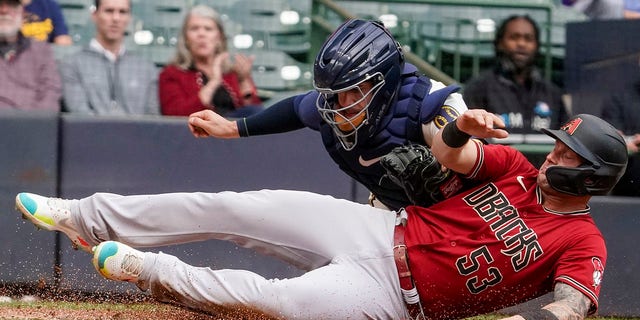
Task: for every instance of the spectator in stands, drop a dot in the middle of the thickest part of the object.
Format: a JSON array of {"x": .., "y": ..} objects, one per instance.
[
  {"x": 29, "y": 77},
  {"x": 43, "y": 21},
  {"x": 598, "y": 9},
  {"x": 622, "y": 110},
  {"x": 104, "y": 78},
  {"x": 202, "y": 75},
  {"x": 632, "y": 9},
  {"x": 514, "y": 88},
  {"x": 606, "y": 9}
]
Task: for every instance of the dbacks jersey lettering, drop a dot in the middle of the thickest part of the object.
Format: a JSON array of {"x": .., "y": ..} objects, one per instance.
[{"x": 497, "y": 240}]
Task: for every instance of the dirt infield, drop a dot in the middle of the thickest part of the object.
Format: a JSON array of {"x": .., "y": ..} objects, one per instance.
[{"x": 42, "y": 302}]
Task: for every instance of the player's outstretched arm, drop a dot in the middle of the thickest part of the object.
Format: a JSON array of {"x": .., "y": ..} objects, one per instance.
[
  {"x": 207, "y": 123},
  {"x": 568, "y": 304},
  {"x": 452, "y": 145}
]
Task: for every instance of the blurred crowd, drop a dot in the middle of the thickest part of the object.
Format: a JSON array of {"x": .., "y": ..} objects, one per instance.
[{"x": 104, "y": 78}]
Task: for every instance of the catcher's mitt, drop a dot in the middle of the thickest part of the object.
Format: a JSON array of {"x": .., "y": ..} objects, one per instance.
[{"x": 417, "y": 171}]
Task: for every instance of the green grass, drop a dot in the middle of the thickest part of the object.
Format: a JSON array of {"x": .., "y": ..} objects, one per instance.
[
  {"x": 64, "y": 305},
  {"x": 152, "y": 308}
]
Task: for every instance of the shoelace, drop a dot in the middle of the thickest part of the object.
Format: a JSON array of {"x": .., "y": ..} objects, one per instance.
[{"x": 131, "y": 264}]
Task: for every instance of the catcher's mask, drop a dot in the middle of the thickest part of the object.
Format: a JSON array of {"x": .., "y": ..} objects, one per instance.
[
  {"x": 603, "y": 149},
  {"x": 358, "y": 51}
]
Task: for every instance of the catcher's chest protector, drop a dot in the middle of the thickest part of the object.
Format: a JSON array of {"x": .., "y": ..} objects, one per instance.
[{"x": 402, "y": 125}]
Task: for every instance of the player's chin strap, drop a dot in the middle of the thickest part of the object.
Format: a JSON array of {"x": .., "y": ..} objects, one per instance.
[{"x": 407, "y": 286}]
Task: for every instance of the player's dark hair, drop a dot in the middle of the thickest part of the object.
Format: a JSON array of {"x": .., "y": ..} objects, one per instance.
[
  {"x": 96, "y": 4},
  {"x": 502, "y": 29}
]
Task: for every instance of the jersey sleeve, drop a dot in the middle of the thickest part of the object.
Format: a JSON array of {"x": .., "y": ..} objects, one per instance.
[
  {"x": 582, "y": 267},
  {"x": 453, "y": 107},
  {"x": 307, "y": 111},
  {"x": 278, "y": 118},
  {"x": 495, "y": 161}
]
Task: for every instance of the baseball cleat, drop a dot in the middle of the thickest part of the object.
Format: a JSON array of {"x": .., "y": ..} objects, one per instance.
[
  {"x": 51, "y": 214},
  {"x": 117, "y": 261}
]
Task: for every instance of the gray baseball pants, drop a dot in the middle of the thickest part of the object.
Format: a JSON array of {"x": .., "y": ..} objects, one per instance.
[{"x": 346, "y": 247}]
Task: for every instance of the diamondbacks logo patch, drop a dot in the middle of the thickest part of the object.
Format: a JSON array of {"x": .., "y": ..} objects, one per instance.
[
  {"x": 598, "y": 270},
  {"x": 571, "y": 126}
]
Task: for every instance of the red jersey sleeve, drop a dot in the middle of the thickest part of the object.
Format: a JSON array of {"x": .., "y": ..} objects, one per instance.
[
  {"x": 495, "y": 161},
  {"x": 582, "y": 266}
]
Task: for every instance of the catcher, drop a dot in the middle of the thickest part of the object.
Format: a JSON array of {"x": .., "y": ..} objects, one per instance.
[{"x": 367, "y": 102}]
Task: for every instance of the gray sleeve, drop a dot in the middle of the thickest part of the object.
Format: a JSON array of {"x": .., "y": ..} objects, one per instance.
[
  {"x": 153, "y": 104},
  {"x": 74, "y": 94}
]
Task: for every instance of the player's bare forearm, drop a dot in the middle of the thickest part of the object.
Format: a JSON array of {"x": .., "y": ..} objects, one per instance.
[
  {"x": 457, "y": 154},
  {"x": 568, "y": 304}
]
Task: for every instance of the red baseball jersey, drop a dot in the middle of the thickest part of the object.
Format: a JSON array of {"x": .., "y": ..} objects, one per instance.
[{"x": 496, "y": 245}]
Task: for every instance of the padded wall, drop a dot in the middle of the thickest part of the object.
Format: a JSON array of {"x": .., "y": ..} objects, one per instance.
[{"x": 28, "y": 161}]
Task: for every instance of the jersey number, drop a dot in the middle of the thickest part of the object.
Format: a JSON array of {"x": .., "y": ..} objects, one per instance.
[{"x": 470, "y": 264}]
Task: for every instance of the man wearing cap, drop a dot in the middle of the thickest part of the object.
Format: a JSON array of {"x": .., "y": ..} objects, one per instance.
[
  {"x": 29, "y": 78},
  {"x": 519, "y": 234},
  {"x": 44, "y": 21}
]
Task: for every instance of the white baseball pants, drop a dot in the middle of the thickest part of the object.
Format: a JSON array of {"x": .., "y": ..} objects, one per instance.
[{"x": 346, "y": 247}]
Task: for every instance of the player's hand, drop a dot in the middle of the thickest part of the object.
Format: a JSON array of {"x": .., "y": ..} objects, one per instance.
[
  {"x": 207, "y": 123},
  {"x": 633, "y": 143},
  {"x": 482, "y": 124}
]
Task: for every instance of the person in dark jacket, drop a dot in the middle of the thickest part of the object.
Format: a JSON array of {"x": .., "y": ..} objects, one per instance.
[{"x": 514, "y": 88}]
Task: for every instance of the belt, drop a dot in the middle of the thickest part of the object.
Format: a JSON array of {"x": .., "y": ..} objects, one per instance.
[{"x": 407, "y": 286}]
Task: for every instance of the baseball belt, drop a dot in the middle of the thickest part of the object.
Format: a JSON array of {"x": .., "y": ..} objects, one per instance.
[{"x": 407, "y": 286}]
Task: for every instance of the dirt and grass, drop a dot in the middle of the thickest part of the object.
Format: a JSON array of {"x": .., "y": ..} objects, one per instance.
[{"x": 28, "y": 301}]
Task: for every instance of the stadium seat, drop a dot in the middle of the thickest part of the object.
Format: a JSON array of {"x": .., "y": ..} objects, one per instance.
[
  {"x": 160, "y": 55},
  {"x": 221, "y": 6},
  {"x": 275, "y": 70},
  {"x": 77, "y": 14},
  {"x": 274, "y": 23},
  {"x": 163, "y": 18}
]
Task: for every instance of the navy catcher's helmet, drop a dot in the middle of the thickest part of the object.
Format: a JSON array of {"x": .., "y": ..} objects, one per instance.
[
  {"x": 356, "y": 52},
  {"x": 604, "y": 150}
]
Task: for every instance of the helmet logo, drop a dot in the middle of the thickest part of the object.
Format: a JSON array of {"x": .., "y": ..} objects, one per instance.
[{"x": 571, "y": 126}]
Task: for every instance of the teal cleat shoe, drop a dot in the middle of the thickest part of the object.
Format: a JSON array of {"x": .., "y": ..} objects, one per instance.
[
  {"x": 51, "y": 214},
  {"x": 117, "y": 261}
]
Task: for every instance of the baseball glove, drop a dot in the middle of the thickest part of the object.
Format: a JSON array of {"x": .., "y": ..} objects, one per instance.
[{"x": 417, "y": 171}]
